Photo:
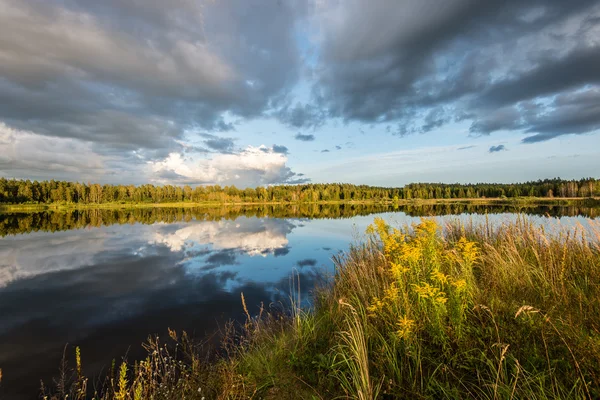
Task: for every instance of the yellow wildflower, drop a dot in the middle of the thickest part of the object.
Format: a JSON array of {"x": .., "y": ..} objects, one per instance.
[
  {"x": 426, "y": 229},
  {"x": 411, "y": 254},
  {"x": 398, "y": 270},
  {"x": 405, "y": 327},
  {"x": 381, "y": 228},
  {"x": 78, "y": 360},
  {"x": 375, "y": 307},
  {"x": 439, "y": 276},
  {"x": 427, "y": 291},
  {"x": 459, "y": 284},
  {"x": 392, "y": 293},
  {"x": 468, "y": 250}
]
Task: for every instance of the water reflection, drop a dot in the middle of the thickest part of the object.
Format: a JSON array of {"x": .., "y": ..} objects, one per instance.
[
  {"x": 254, "y": 236},
  {"x": 105, "y": 279},
  {"x": 107, "y": 288},
  {"x": 49, "y": 221}
]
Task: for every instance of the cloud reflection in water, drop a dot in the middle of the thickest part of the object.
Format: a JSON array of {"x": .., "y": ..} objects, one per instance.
[{"x": 107, "y": 288}]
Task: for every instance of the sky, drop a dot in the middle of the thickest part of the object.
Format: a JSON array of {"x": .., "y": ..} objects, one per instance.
[{"x": 262, "y": 92}]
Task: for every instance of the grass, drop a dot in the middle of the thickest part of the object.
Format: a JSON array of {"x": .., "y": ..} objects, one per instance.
[
  {"x": 591, "y": 202},
  {"x": 179, "y": 204},
  {"x": 416, "y": 312}
]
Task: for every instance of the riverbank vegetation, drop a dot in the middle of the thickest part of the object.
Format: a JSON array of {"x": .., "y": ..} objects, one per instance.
[
  {"x": 461, "y": 311},
  {"x": 60, "y": 192}
]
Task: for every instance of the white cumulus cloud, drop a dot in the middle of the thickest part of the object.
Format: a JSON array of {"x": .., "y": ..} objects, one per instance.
[{"x": 252, "y": 166}]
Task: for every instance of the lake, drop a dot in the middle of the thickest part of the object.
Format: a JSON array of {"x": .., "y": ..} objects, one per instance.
[{"x": 106, "y": 279}]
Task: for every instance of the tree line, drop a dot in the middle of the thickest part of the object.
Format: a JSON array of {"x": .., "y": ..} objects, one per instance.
[
  {"x": 587, "y": 187},
  {"x": 13, "y": 191}
]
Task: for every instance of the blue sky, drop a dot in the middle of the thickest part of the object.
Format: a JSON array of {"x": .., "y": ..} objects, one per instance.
[{"x": 253, "y": 92}]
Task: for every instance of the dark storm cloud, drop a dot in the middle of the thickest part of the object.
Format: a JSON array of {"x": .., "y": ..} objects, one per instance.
[
  {"x": 571, "y": 112},
  {"x": 503, "y": 118},
  {"x": 301, "y": 116},
  {"x": 134, "y": 75},
  {"x": 304, "y": 138},
  {"x": 280, "y": 149},
  {"x": 550, "y": 75},
  {"x": 575, "y": 112},
  {"x": 495, "y": 149},
  {"x": 434, "y": 119},
  {"x": 419, "y": 66},
  {"x": 133, "y": 80}
]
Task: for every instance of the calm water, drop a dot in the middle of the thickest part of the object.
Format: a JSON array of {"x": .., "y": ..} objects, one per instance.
[{"x": 104, "y": 280}]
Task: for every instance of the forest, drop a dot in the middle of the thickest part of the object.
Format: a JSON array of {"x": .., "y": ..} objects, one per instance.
[{"x": 13, "y": 191}]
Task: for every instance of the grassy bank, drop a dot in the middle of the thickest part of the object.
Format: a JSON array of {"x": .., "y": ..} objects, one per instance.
[
  {"x": 487, "y": 312},
  {"x": 180, "y": 204},
  {"x": 516, "y": 201}
]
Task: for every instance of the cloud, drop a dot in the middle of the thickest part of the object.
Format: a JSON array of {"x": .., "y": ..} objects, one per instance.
[
  {"x": 548, "y": 76},
  {"x": 126, "y": 82},
  {"x": 325, "y": 151},
  {"x": 304, "y": 138},
  {"x": 503, "y": 118},
  {"x": 25, "y": 153},
  {"x": 134, "y": 76},
  {"x": 302, "y": 116},
  {"x": 254, "y": 166},
  {"x": 280, "y": 149},
  {"x": 425, "y": 66},
  {"x": 495, "y": 149},
  {"x": 572, "y": 112},
  {"x": 219, "y": 144},
  {"x": 338, "y": 147}
]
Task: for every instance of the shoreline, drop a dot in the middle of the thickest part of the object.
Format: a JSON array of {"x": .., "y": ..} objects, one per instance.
[{"x": 517, "y": 201}]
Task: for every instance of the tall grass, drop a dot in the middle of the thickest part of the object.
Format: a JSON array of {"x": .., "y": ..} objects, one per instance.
[
  {"x": 481, "y": 311},
  {"x": 505, "y": 311}
]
